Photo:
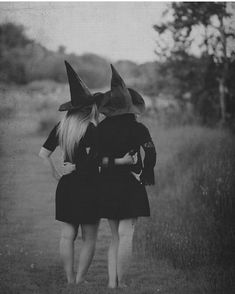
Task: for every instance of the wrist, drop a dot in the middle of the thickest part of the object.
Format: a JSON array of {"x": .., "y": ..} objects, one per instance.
[
  {"x": 105, "y": 161},
  {"x": 118, "y": 161},
  {"x": 108, "y": 161}
]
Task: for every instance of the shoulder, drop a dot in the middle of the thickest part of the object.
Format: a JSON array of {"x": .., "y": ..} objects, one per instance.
[
  {"x": 105, "y": 121},
  {"x": 54, "y": 130},
  {"x": 141, "y": 128},
  {"x": 104, "y": 125},
  {"x": 141, "y": 132}
]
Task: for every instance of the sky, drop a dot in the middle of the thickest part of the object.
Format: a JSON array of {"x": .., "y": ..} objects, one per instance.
[{"x": 114, "y": 30}]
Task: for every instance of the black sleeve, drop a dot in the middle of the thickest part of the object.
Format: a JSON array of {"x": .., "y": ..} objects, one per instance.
[
  {"x": 53, "y": 140},
  {"x": 150, "y": 157}
]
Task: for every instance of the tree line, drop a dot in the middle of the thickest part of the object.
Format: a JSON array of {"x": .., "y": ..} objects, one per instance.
[
  {"x": 23, "y": 60},
  {"x": 204, "y": 79}
]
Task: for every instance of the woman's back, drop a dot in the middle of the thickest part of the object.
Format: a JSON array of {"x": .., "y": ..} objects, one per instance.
[
  {"x": 117, "y": 135},
  {"x": 81, "y": 158}
]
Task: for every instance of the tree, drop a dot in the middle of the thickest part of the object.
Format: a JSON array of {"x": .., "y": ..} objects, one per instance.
[
  {"x": 62, "y": 49},
  {"x": 12, "y": 36},
  {"x": 23, "y": 60},
  {"x": 205, "y": 26},
  {"x": 13, "y": 43}
]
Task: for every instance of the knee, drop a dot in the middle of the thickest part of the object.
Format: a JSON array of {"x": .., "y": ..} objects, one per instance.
[
  {"x": 68, "y": 234},
  {"x": 126, "y": 234},
  {"x": 126, "y": 230}
]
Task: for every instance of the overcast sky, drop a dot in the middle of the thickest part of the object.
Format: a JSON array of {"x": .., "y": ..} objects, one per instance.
[{"x": 115, "y": 30}]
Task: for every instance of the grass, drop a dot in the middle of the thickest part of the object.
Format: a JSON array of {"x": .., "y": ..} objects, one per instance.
[
  {"x": 195, "y": 184},
  {"x": 185, "y": 247},
  {"x": 30, "y": 236},
  {"x": 192, "y": 222}
]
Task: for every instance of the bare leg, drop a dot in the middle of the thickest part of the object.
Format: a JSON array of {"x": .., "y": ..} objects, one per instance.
[
  {"x": 89, "y": 236},
  {"x": 126, "y": 231},
  {"x": 68, "y": 235},
  {"x": 112, "y": 254}
]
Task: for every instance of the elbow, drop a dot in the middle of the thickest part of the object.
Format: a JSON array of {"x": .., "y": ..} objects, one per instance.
[
  {"x": 41, "y": 154},
  {"x": 44, "y": 153}
]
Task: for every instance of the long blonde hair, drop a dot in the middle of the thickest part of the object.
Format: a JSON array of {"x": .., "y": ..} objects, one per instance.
[{"x": 73, "y": 127}]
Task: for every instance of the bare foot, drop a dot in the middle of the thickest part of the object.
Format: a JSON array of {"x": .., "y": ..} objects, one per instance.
[
  {"x": 113, "y": 283},
  {"x": 71, "y": 280},
  {"x": 112, "y": 286},
  {"x": 122, "y": 285},
  {"x": 83, "y": 281},
  {"x": 70, "y": 275}
]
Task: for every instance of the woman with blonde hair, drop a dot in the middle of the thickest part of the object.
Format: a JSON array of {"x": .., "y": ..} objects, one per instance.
[{"x": 75, "y": 193}]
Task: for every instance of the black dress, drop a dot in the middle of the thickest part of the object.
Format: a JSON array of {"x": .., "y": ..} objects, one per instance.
[
  {"x": 76, "y": 193},
  {"x": 122, "y": 195}
]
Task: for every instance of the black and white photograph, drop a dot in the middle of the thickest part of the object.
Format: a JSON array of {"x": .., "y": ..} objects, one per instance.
[{"x": 117, "y": 147}]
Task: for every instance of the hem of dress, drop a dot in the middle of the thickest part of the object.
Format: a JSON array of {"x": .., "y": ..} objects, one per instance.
[
  {"x": 80, "y": 222},
  {"x": 125, "y": 217}
]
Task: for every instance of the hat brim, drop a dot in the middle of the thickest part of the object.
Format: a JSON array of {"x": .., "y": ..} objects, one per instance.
[
  {"x": 67, "y": 106},
  {"x": 137, "y": 100},
  {"x": 98, "y": 98},
  {"x": 137, "y": 107}
]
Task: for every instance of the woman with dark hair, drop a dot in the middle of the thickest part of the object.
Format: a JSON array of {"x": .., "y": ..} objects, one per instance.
[{"x": 123, "y": 196}]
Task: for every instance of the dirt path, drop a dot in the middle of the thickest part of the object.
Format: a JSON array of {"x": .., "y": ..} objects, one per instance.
[{"x": 29, "y": 241}]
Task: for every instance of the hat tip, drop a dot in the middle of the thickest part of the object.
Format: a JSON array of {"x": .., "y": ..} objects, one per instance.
[{"x": 67, "y": 64}]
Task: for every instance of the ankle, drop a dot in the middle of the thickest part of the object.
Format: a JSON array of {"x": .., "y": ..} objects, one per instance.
[
  {"x": 79, "y": 279},
  {"x": 71, "y": 279},
  {"x": 122, "y": 285},
  {"x": 112, "y": 286}
]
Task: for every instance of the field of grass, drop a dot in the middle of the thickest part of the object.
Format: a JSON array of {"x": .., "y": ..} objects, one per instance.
[
  {"x": 185, "y": 247},
  {"x": 193, "y": 202}
]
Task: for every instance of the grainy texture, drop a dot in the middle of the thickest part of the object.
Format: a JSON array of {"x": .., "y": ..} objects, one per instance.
[{"x": 30, "y": 236}]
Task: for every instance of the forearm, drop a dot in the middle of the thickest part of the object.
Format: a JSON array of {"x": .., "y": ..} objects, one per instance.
[
  {"x": 123, "y": 161},
  {"x": 49, "y": 163},
  {"x": 126, "y": 160},
  {"x": 45, "y": 155}
]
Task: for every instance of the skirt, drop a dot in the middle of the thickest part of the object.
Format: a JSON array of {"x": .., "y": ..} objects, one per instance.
[
  {"x": 76, "y": 199},
  {"x": 122, "y": 197}
]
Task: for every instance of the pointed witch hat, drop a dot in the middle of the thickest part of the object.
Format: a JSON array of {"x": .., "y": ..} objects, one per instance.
[
  {"x": 120, "y": 99},
  {"x": 79, "y": 92}
]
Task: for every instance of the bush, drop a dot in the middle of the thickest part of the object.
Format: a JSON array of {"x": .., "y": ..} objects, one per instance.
[{"x": 192, "y": 203}]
